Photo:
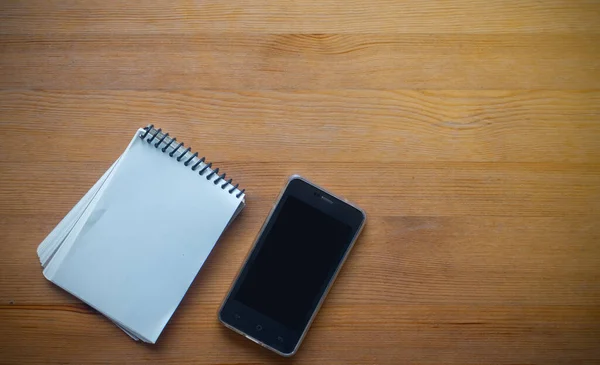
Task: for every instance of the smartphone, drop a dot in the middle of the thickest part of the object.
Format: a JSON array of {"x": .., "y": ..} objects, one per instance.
[{"x": 291, "y": 267}]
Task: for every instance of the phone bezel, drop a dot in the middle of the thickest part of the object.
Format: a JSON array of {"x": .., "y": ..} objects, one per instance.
[{"x": 323, "y": 200}]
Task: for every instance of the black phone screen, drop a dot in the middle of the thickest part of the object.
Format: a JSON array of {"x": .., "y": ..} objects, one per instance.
[{"x": 295, "y": 260}]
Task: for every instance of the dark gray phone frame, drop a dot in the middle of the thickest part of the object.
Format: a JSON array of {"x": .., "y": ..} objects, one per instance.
[{"x": 329, "y": 285}]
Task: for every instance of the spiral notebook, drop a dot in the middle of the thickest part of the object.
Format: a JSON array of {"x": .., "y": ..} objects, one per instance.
[{"x": 132, "y": 246}]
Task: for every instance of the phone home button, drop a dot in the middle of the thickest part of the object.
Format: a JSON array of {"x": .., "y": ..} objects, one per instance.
[{"x": 258, "y": 327}]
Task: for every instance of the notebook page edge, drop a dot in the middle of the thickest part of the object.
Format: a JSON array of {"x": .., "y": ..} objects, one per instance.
[
  {"x": 53, "y": 265},
  {"x": 56, "y": 237}
]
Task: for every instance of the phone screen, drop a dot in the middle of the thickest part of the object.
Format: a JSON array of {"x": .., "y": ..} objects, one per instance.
[{"x": 296, "y": 259}]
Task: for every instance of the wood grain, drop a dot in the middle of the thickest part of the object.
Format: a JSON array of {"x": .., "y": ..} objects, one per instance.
[
  {"x": 302, "y": 61},
  {"x": 370, "y": 126},
  {"x": 468, "y": 130},
  {"x": 306, "y": 16}
]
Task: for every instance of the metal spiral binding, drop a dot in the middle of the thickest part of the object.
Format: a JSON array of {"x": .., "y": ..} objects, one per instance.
[{"x": 167, "y": 143}]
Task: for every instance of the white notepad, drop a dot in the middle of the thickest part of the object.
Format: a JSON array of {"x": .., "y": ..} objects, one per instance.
[{"x": 134, "y": 243}]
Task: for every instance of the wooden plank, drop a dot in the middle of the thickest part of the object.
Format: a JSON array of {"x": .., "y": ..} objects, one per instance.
[
  {"x": 391, "y": 189},
  {"x": 470, "y": 260},
  {"x": 421, "y": 334},
  {"x": 369, "y": 126},
  {"x": 304, "y": 16},
  {"x": 297, "y": 61}
]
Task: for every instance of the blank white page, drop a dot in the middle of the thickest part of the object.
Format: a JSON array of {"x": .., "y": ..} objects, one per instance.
[
  {"x": 55, "y": 239},
  {"x": 145, "y": 240}
]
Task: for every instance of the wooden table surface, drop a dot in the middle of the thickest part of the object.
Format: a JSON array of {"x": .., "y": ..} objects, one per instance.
[{"x": 468, "y": 130}]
